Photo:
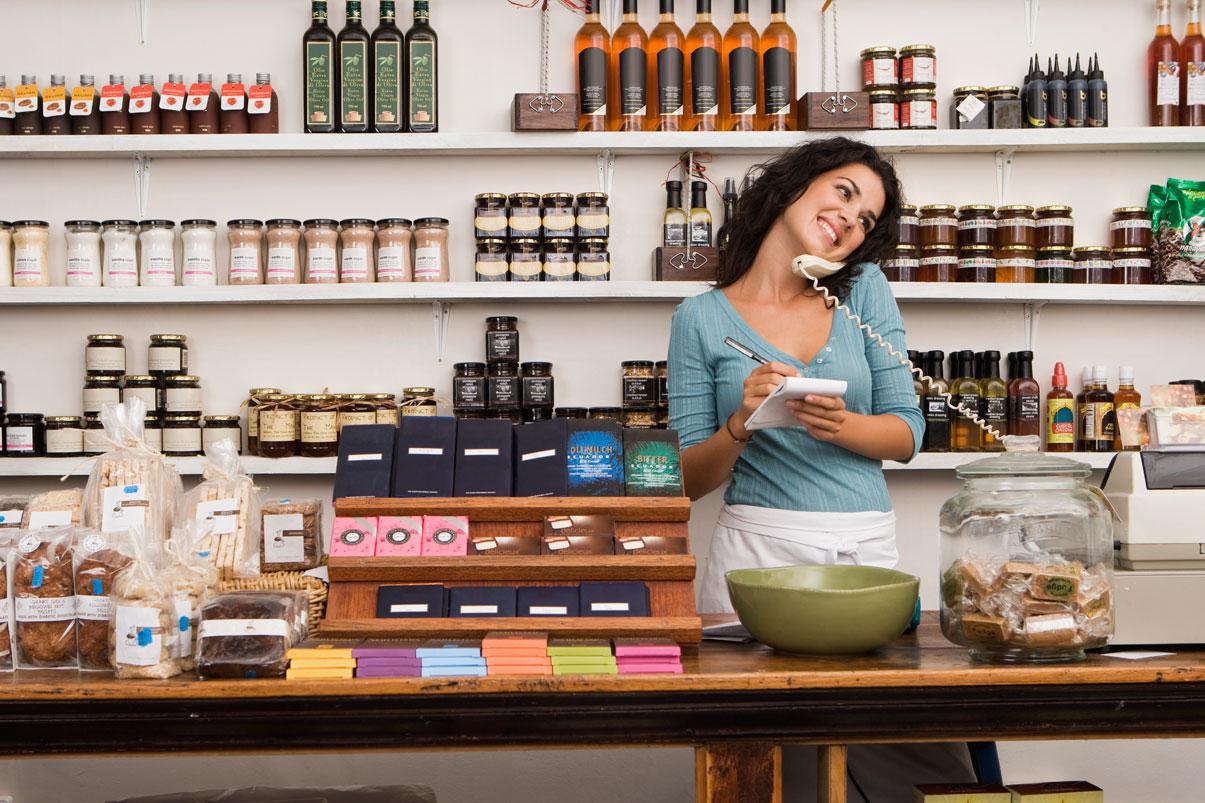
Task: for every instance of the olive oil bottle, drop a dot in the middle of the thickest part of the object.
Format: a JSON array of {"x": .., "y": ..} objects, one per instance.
[
  {"x": 993, "y": 402},
  {"x": 422, "y": 72},
  {"x": 964, "y": 432},
  {"x": 700, "y": 216},
  {"x": 703, "y": 43},
  {"x": 355, "y": 101},
  {"x": 675, "y": 222},
  {"x": 667, "y": 87},
  {"x": 592, "y": 45},
  {"x": 321, "y": 75},
  {"x": 629, "y": 72},
  {"x": 387, "y": 47}
]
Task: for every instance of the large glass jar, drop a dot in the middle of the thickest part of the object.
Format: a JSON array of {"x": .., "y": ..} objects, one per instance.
[
  {"x": 246, "y": 262},
  {"x": 1093, "y": 265},
  {"x": 1015, "y": 264},
  {"x": 431, "y": 262},
  {"x": 395, "y": 236},
  {"x": 284, "y": 251},
  {"x": 938, "y": 263},
  {"x": 255, "y": 399},
  {"x": 319, "y": 416},
  {"x": 167, "y": 355},
  {"x": 880, "y": 68},
  {"x": 976, "y": 263},
  {"x": 278, "y": 425},
  {"x": 1027, "y": 560},
  {"x": 387, "y": 409},
  {"x": 31, "y": 260},
  {"x": 903, "y": 265},
  {"x": 1130, "y": 227},
  {"x": 1015, "y": 225},
  {"x": 1131, "y": 266},
  {"x": 182, "y": 435}
]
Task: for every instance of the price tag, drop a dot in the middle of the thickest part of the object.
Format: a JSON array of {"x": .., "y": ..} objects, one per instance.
[
  {"x": 7, "y": 109},
  {"x": 112, "y": 97},
  {"x": 83, "y": 99},
  {"x": 171, "y": 97},
  {"x": 971, "y": 107},
  {"x": 142, "y": 98},
  {"x": 198, "y": 97},
  {"x": 234, "y": 97},
  {"x": 54, "y": 101},
  {"x": 27, "y": 98},
  {"x": 259, "y": 99}
]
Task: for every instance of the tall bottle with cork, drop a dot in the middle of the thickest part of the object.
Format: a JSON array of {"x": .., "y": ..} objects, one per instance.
[
  {"x": 1192, "y": 53},
  {"x": 386, "y": 65},
  {"x": 667, "y": 86},
  {"x": 740, "y": 78},
  {"x": 321, "y": 77},
  {"x": 1126, "y": 398},
  {"x": 592, "y": 46},
  {"x": 1163, "y": 68},
  {"x": 1060, "y": 413},
  {"x": 422, "y": 72},
  {"x": 703, "y": 43},
  {"x": 355, "y": 101},
  {"x": 629, "y": 72},
  {"x": 778, "y": 49}
]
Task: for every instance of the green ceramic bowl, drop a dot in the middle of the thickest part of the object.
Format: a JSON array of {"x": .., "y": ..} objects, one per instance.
[{"x": 823, "y": 610}]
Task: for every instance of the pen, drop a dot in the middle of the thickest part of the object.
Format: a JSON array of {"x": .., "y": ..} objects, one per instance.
[{"x": 743, "y": 349}]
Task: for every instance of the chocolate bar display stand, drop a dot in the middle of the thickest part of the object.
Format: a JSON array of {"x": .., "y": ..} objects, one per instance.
[{"x": 351, "y": 607}]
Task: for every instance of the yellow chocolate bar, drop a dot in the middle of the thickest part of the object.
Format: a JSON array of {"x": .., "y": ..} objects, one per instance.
[
  {"x": 322, "y": 663},
  {"x": 319, "y": 674}
]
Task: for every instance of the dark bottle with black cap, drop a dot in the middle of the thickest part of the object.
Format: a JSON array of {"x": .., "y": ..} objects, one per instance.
[
  {"x": 937, "y": 412},
  {"x": 1077, "y": 95},
  {"x": 1036, "y": 97},
  {"x": 1056, "y": 91},
  {"x": 1098, "y": 96}
]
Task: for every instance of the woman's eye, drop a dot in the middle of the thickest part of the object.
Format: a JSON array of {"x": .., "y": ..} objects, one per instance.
[
  {"x": 865, "y": 223},
  {"x": 844, "y": 191}
]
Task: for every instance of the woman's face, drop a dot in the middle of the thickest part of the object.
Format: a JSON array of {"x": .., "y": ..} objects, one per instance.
[{"x": 836, "y": 212}]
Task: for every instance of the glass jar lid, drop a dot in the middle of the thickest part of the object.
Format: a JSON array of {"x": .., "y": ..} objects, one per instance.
[
  {"x": 391, "y": 222},
  {"x": 357, "y": 221},
  {"x": 1024, "y": 464},
  {"x": 976, "y": 208},
  {"x": 227, "y": 420},
  {"x": 937, "y": 208},
  {"x": 1020, "y": 209},
  {"x": 77, "y": 224},
  {"x": 1129, "y": 210},
  {"x": 64, "y": 419},
  {"x": 198, "y": 222},
  {"x": 1004, "y": 90},
  {"x": 320, "y": 221},
  {"x": 878, "y": 50},
  {"x": 262, "y": 391},
  {"x": 418, "y": 393},
  {"x": 490, "y": 197},
  {"x": 1060, "y": 209},
  {"x": 970, "y": 90},
  {"x": 144, "y": 379},
  {"x": 157, "y": 224},
  {"x": 557, "y": 197},
  {"x": 283, "y": 221},
  {"x": 431, "y": 223},
  {"x": 168, "y": 338},
  {"x": 244, "y": 222},
  {"x": 105, "y": 338}
]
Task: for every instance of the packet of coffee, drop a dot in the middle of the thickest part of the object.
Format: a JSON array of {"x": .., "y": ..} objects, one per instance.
[{"x": 1178, "y": 224}]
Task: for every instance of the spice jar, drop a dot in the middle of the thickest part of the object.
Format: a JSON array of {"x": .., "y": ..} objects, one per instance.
[
  {"x": 253, "y": 402},
  {"x": 284, "y": 251},
  {"x": 606, "y": 414},
  {"x": 386, "y": 404},
  {"x": 64, "y": 436},
  {"x": 105, "y": 355},
  {"x": 468, "y": 387},
  {"x": 120, "y": 263},
  {"x": 319, "y": 417},
  {"x": 918, "y": 109},
  {"x": 321, "y": 242},
  {"x": 1054, "y": 265},
  {"x": 577, "y": 413},
  {"x": 533, "y": 414},
  {"x": 278, "y": 425},
  {"x": 525, "y": 261},
  {"x": 1015, "y": 264},
  {"x": 246, "y": 247},
  {"x": 1015, "y": 225},
  {"x": 640, "y": 419},
  {"x": 524, "y": 217},
  {"x": 99, "y": 391},
  {"x": 394, "y": 238},
  {"x": 902, "y": 266},
  {"x": 24, "y": 435},
  {"x": 1131, "y": 266},
  {"x": 1005, "y": 106},
  {"x": 976, "y": 263},
  {"x": 977, "y": 225},
  {"x": 1131, "y": 227},
  {"x": 918, "y": 66},
  {"x": 538, "y": 389},
  {"x": 145, "y": 387},
  {"x": 938, "y": 226},
  {"x": 83, "y": 253},
  {"x": 31, "y": 260},
  {"x": 222, "y": 428},
  {"x": 6, "y": 254},
  {"x": 879, "y": 68},
  {"x": 157, "y": 265},
  {"x": 1055, "y": 227},
  {"x": 938, "y": 263},
  {"x": 356, "y": 410},
  {"x": 502, "y": 339},
  {"x": 167, "y": 355},
  {"x": 502, "y": 390},
  {"x": 557, "y": 215},
  {"x": 593, "y": 260},
  {"x": 489, "y": 217},
  {"x": 560, "y": 263},
  {"x": 662, "y": 371},
  {"x": 357, "y": 238},
  {"x": 491, "y": 264},
  {"x": 593, "y": 216},
  {"x": 884, "y": 110},
  {"x": 1093, "y": 265},
  {"x": 182, "y": 395},
  {"x": 909, "y": 223},
  {"x": 95, "y": 441},
  {"x": 200, "y": 239},
  {"x": 419, "y": 402},
  {"x": 182, "y": 435},
  {"x": 970, "y": 115},
  {"x": 639, "y": 385},
  {"x": 431, "y": 250}
]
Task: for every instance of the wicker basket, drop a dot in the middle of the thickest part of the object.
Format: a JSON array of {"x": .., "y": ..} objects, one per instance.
[{"x": 286, "y": 581}]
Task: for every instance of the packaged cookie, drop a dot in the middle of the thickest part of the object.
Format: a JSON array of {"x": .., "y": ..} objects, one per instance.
[
  {"x": 141, "y": 630},
  {"x": 189, "y": 579},
  {"x": 247, "y": 634},
  {"x": 227, "y": 503},
  {"x": 99, "y": 559},
  {"x": 292, "y": 536},
  {"x": 58, "y": 508},
  {"x": 43, "y": 591},
  {"x": 6, "y": 607}
]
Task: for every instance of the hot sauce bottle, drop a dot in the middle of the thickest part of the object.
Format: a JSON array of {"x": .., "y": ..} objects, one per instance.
[
  {"x": 1060, "y": 413},
  {"x": 263, "y": 110},
  {"x": 1024, "y": 398},
  {"x": 173, "y": 118},
  {"x": 1163, "y": 67},
  {"x": 1127, "y": 398},
  {"x": 144, "y": 106}
]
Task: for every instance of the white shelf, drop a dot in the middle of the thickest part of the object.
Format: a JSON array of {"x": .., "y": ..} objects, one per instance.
[
  {"x": 542, "y": 144},
  {"x": 570, "y": 292},
  {"x": 948, "y": 461}
]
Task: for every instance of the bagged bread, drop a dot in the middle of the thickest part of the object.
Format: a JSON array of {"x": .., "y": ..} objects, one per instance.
[
  {"x": 227, "y": 503},
  {"x": 247, "y": 634},
  {"x": 141, "y": 630},
  {"x": 43, "y": 591},
  {"x": 12, "y": 511},
  {"x": 59, "y": 508},
  {"x": 99, "y": 559}
]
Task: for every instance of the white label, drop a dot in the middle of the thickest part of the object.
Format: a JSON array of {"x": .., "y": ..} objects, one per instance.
[
  {"x": 138, "y": 636},
  {"x": 930, "y": 261},
  {"x": 163, "y": 358},
  {"x": 610, "y": 606},
  {"x": 93, "y": 607},
  {"x": 220, "y": 514},
  {"x": 95, "y": 398},
  {"x": 243, "y": 627},
  {"x": 548, "y": 610},
  {"x": 1196, "y": 83},
  {"x": 27, "y": 263},
  {"x": 924, "y": 70},
  {"x": 119, "y": 268},
  {"x": 558, "y": 545},
  {"x": 41, "y": 519},
  {"x": 1167, "y": 90},
  {"x": 1048, "y": 264},
  {"x": 28, "y": 544},
  {"x": 244, "y": 262},
  {"x": 970, "y": 108},
  {"x": 1140, "y": 223},
  {"x": 938, "y": 221},
  {"x": 480, "y": 452},
  {"x": 1015, "y": 263},
  {"x": 391, "y": 261},
  {"x": 884, "y": 116},
  {"x": 183, "y": 621},
  {"x": 147, "y": 395},
  {"x": 11, "y": 518},
  {"x": 921, "y": 113},
  {"x": 470, "y": 610},
  {"x": 112, "y": 103},
  {"x": 82, "y": 268},
  {"x": 485, "y": 545},
  {"x": 1131, "y": 263},
  {"x": 234, "y": 101},
  {"x": 977, "y": 262},
  {"x": 95, "y": 442},
  {"x": 161, "y": 270},
  {"x": 355, "y": 263},
  {"x": 124, "y": 508},
  {"x": 282, "y": 548},
  {"x": 631, "y": 544},
  {"x": 428, "y": 263},
  {"x": 45, "y": 609},
  {"x": 320, "y": 263},
  {"x": 198, "y": 266},
  {"x": 972, "y": 224},
  {"x": 884, "y": 72},
  {"x": 425, "y": 451},
  {"x": 409, "y": 608},
  {"x": 64, "y": 441},
  {"x": 560, "y": 524},
  {"x": 538, "y": 455},
  {"x": 183, "y": 400},
  {"x": 198, "y": 102},
  {"x": 1046, "y": 223},
  {"x": 19, "y": 439},
  {"x": 360, "y": 458},
  {"x": 282, "y": 262},
  {"x": 151, "y": 437}
]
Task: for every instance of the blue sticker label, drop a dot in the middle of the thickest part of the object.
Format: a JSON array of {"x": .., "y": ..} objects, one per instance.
[
  {"x": 2, "y": 518},
  {"x": 38, "y": 571},
  {"x": 184, "y": 622},
  {"x": 144, "y": 637},
  {"x": 204, "y": 554},
  {"x": 98, "y": 588},
  {"x": 130, "y": 489}
]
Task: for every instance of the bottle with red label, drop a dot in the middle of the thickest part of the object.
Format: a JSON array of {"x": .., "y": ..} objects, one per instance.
[
  {"x": 7, "y": 112},
  {"x": 233, "y": 114},
  {"x": 173, "y": 118},
  {"x": 85, "y": 107},
  {"x": 54, "y": 107},
  {"x": 27, "y": 120},
  {"x": 114, "y": 106},
  {"x": 1060, "y": 413},
  {"x": 144, "y": 106},
  {"x": 202, "y": 106},
  {"x": 262, "y": 107}
]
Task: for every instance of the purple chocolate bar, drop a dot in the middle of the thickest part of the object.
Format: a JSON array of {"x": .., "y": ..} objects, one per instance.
[
  {"x": 402, "y": 649},
  {"x": 387, "y": 661},
  {"x": 388, "y": 671}
]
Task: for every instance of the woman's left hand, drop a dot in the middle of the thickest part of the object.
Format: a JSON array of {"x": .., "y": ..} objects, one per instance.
[{"x": 823, "y": 417}]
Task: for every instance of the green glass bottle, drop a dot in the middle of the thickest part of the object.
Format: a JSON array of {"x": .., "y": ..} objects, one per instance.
[
  {"x": 321, "y": 77},
  {"x": 388, "y": 46},
  {"x": 355, "y": 101},
  {"x": 422, "y": 72}
]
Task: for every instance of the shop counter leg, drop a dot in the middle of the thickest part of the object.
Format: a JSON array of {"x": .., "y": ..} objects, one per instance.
[
  {"x": 738, "y": 772},
  {"x": 831, "y": 773}
]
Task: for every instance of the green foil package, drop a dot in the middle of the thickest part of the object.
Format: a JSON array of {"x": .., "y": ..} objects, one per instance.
[{"x": 1178, "y": 230}]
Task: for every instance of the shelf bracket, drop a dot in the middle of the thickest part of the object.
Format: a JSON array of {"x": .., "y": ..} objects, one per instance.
[
  {"x": 142, "y": 182},
  {"x": 1004, "y": 169},
  {"x": 1033, "y": 312},
  {"x": 441, "y": 311},
  {"x": 606, "y": 171},
  {"x": 1031, "y": 20},
  {"x": 141, "y": 11}
]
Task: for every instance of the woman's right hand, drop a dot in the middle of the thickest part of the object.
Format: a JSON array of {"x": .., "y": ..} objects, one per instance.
[{"x": 760, "y": 383}]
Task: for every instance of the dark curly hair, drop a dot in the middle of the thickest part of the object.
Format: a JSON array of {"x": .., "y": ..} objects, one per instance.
[{"x": 779, "y": 183}]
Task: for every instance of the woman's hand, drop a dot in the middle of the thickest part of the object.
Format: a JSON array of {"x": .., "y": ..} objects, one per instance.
[
  {"x": 760, "y": 383},
  {"x": 823, "y": 417}
]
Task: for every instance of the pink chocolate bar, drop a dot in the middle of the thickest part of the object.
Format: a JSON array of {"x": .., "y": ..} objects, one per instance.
[
  {"x": 647, "y": 650},
  {"x": 644, "y": 668},
  {"x": 353, "y": 538},
  {"x": 399, "y": 536},
  {"x": 446, "y": 536}
]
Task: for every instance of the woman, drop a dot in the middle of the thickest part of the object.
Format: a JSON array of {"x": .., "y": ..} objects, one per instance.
[{"x": 814, "y": 494}]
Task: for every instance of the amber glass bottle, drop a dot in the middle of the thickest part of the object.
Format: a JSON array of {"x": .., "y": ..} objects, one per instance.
[
  {"x": 778, "y": 71},
  {"x": 703, "y": 44},
  {"x": 629, "y": 72},
  {"x": 667, "y": 79},
  {"x": 740, "y": 73},
  {"x": 1163, "y": 67},
  {"x": 964, "y": 433},
  {"x": 1024, "y": 398},
  {"x": 592, "y": 45},
  {"x": 1060, "y": 413},
  {"x": 1126, "y": 398},
  {"x": 1104, "y": 420},
  {"x": 1192, "y": 67}
]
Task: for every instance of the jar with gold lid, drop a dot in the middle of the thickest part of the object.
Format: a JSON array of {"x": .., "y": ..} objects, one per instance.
[
  {"x": 639, "y": 389},
  {"x": 938, "y": 226},
  {"x": 105, "y": 355},
  {"x": 1055, "y": 227},
  {"x": 503, "y": 388},
  {"x": 145, "y": 387},
  {"x": 387, "y": 412},
  {"x": 884, "y": 110},
  {"x": 918, "y": 66},
  {"x": 1015, "y": 225},
  {"x": 606, "y": 414},
  {"x": 903, "y": 265},
  {"x": 973, "y": 114},
  {"x": 976, "y": 263},
  {"x": 64, "y": 436},
  {"x": 1131, "y": 266},
  {"x": 318, "y": 415},
  {"x": 182, "y": 395},
  {"x": 99, "y": 391},
  {"x": 253, "y": 419},
  {"x": 1015, "y": 264},
  {"x": 977, "y": 225},
  {"x": 356, "y": 409},
  {"x": 593, "y": 216},
  {"x": 1130, "y": 227},
  {"x": 493, "y": 261},
  {"x": 558, "y": 216},
  {"x": 152, "y": 434},
  {"x": 906, "y": 228},
  {"x": 278, "y": 425},
  {"x": 419, "y": 402},
  {"x": 538, "y": 387},
  {"x": 182, "y": 435},
  {"x": 593, "y": 260},
  {"x": 560, "y": 260},
  {"x": 640, "y": 419},
  {"x": 1054, "y": 265},
  {"x": 489, "y": 218},
  {"x": 880, "y": 68},
  {"x": 1093, "y": 265},
  {"x": 167, "y": 355},
  {"x": 938, "y": 263},
  {"x": 468, "y": 387},
  {"x": 526, "y": 260},
  {"x": 524, "y": 218},
  {"x": 918, "y": 109},
  {"x": 222, "y": 428}
]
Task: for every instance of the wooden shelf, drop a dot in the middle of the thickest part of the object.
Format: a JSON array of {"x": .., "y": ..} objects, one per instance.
[
  {"x": 516, "y": 568},
  {"x": 518, "y": 509},
  {"x": 683, "y": 629}
]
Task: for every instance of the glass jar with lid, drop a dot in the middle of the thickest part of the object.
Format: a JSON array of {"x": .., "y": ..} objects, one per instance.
[
  {"x": 960, "y": 118},
  {"x": 593, "y": 260},
  {"x": 24, "y": 435},
  {"x": 906, "y": 228},
  {"x": 431, "y": 261},
  {"x": 880, "y": 68},
  {"x": 977, "y": 225},
  {"x": 395, "y": 237},
  {"x": 64, "y": 436},
  {"x": 157, "y": 258},
  {"x": 321, "y": 250},
  {"x": 182, "y": 395},
  {"x": 31, "y": 254},
  {"x": 182, "y": 435},
  {"x": 1054, "y": 266},
  {"x": 560, "y": 260},
  {"x": 200, "y": 238},
  {"x": 576, "y": 413},
  {"x": 1055, "y": 227},
  {"x": 606, "y": 414},
  {"x": 918, "y": 66},
  {"x": 524, "y": 218},
  {"x": 152, "y": 433},
  {"x": 1130, "y": 227},
  {"x": 639, "y": 385},
  {"x": 99, "y": 391},
  {"x": 526, "y": 261},
  {"x": 222, "y": 428},
  {"x": 884, "y": 110},
  {"x": 1131, "y": 266},
  {"x": 387, "y": 412},
  {"x": 1005, "y": 106},
  {"x": 357, "y": 263},
  {"x": 284, "y": 251},
  {"x": 533, "y": 414},
  {"x": 83, "y": 253},
  {"x": 640, "y": 419},
  {"x": 278, "y": 425},
  {"x": 489, "y": 217},
  {"x": 355, "y": 410},
  {"x": 938, "y": 263},
  {"x": 593, "y": 216},
  {"x": 1015, "y": 264},
  {"x": 419, "y": 402},
  {"x": 1015, "y": 225},
  {"x": 557, "y": 215},
  {"x": 253, "y": 402},
  {"x": 245, "y": 237},
  {"x": 105, "y": 355},
  {"x": 468, "y": 387},
  {"x": 492, "y": 263},
  {"x": 167, "y": 355},
  {"x": 119, "y": 267},
  {"x": 318, "y": 415},
  {"x": 918, "y": 109},
  {"x": 501, "y": 339},
  {"x": 502, "y": 389},
  {"x": 938, "y": 226},
  {"x": 976, "y": 263},
  {"x": 95, "y": 441},
  {"x": 1093, "y": 265},
  {"x": 1027, "y": 560},
  {"x": 538, "y": 386}
]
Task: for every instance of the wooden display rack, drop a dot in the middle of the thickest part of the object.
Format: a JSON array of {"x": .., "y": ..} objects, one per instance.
[{"x": 351, "y": 607}]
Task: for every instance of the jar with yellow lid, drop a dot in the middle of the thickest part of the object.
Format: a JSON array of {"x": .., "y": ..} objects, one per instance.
[
  {"x": 593, "y": 216},
  {"x": 182, "y": 435},
  {"x": 938, "y": 226},
  {"x": 1130, "y": 227},
  {"x": 524, "y": 218},
  {"x": 64, "y": 436},
  {"x": 1055, "y": 227},
  {"x": 489, "y": 219},
  {"x": 105, "y": 355},
  {"x": 903, "y": 265},
  {"x": 182, "y": 395},
  {"x": 880, "y": 68},
  {"x": 386, "y": 403},
  {"x": 253, "y": 419},
  {"x": 1093, "y": 265},
  {"x": 1015, "y": 225},
  {"x": 1055, "y": 265},
  {"x": 419, "y": 402},
  {"x": 558, "y": 217},
  {"x": 976, "y": 263},
  {"x": 938, "y": 263},
  {"x": 356, "y": 409},
  {"x": 1015, "y": 264},
  {"x": 145, "y": 387},
  {"x": 918, "y": 109},
  {"x": 977, "y": 225},
  {"x": 278, "y": 425},
  {"x": 1132, "y": 266},
  {"x": 970, "y": 115},
  {"x": 319, "y": 420},
  {"x": 906, "y": 228},
  {"x": 222, "y": 428},
  {"x": 918, "y": 66},
  {"x": 1005, "y": 107}
]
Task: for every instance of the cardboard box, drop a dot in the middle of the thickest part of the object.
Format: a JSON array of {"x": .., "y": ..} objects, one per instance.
[
  {"x": 504, "y": 545},
  {"x": 365, "y": 466},
  {"x": 548, "y": 601},
  {"x": 652, "y": 462},
  {"x": 399, "y": 536},
  {"x": 1057, "y": 792},
  {"x": 614, "y": 599},
  {"x": 353, "y": 537},
  {"x": 652, "y": 545},
  {"x": 540, "y": 463},
  {"x": 960, "y": 793},
  {"x": 595, "y": 458},
  {"x": 578, "y": 535},
  {"x": 481, "y": 602},
  {"x": 425, "y": 457},
  {"x": 411, "y": 602},
  {"x": 484, "y": 458},
  {"x": 445, "y": 536}
]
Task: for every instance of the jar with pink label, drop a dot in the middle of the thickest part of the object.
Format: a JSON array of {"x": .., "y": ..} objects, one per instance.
[
  {"x": 157, "y": 262},
  {"x": 246, "y": 251},
  {"x": 120, "y": 265},
  {"x": 431, "y": 250},
  {"x": 284, "y": 251},
  {"x": 83, "y": 253},
  {"x": 394, "y": 239},
  {"x": 31, "y": 262},
  {"x": 321, "y": 251},
  {"x": 357, "y": 263}
]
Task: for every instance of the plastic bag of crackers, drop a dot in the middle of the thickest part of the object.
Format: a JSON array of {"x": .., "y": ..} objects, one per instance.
[
  {"x": 227, "y": 504},
  {"x": 142, "y": 630},
  {"x": 190, "y": 579},
  {"x": 1042, "y": 604},
  {"x": 132, "y": 487}
]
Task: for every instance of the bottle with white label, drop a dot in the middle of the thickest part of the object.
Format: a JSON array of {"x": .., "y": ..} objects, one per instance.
[
  {"x": 1163, "y": 65},
  {"x": 199, "y": 268},
  {"x": 157, "y": 261},
  {"x": 83, "y": 253},
  {"x": 357, "y": 263},
  {"x": 120, "y": 264},
  {"x": 1192, "y": 53}
]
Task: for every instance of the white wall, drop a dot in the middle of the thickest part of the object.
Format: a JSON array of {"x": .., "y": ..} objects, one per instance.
[{"x": 489, "y": 52}]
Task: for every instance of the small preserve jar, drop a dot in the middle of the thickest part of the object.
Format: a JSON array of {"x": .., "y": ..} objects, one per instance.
[
  {"x": 99, "y": 391},
  {"x": 83, "y": 253},
  {"x": 246, "y": 251},
  {"x": 1027, "y": 560},
  {"x": 356, "y": 262},
  {"x": 468, "y": 387},
  {"x": 255, "y": 398},
  {"x": 502, "y": 390},
  {"x": 222, "y": 428},
  {"x": 395, "y": 236},
  {"x": 918, "y": 66},
  {"x": 539, "y": 390},
  {"x": 167, "y": 355},
  {"x": 1054, "y": 266},
  {"x": 1055, "y": 227},
  {"x": 105, "y": 355},
  {"x": 492, "y": 263},
  {"x": 938, "y": 263},
  {"x": 557, "y": 215},
  {"x": 1093, "y": 265},
  {"x": 419, "y": 402},
  {"x": 1015, "y": 264},
  {"x": 431, "y": 262},
  {"x": 909, "y": 223},
  {"x": 980, "y": 119},
  {"x": 145, "y": 387},
  {"x": 884, "y": 110},
  {"x": 157, "y": 262},
  {"x": 277, "y": 413},
  {"x": 95, "y": 441},
  {"x": 593, "y": 260},
  {"x": 1131, "y": 227},
  {"x": 640, "y": 419},
  {"x": 152, "y": 434},
  {"x": 489, "y": 217},
  {"x": 560, "y": 261},
  {"x": 356, "y": 410},
  {"x": 938, "y": 226},
  {"x": 501, "y": 339},
  {"x": 880, "y": 68},
  {"x": 526, "y": 264},
  {"x": 918, "y": 109},
  {"x": 24, "y": 435},
  {"x": 639, "y": 385},
  {"x": 524, "y": 218},
  {"x": 1132, "y": 266},
  {"x": 977, "y": 225},
  {"x": 64, "y": 436},
  {"x": 182, "y": 435},
  {"x": 976, "y": 263},
  {"x": 593, "y": 216},
  {"x": 182, "y": 395},
  {"x": 200, "y": 238},
  {"x": 1004, "y": 106},
  {"x": 902, "y": 266},
  {"x": 1015, "y": 225},
  {"x": 606, "y": 414},
  {"x": 387, "y": 410},
  {"x": 319, "y": 419},
  {"x": 284, "y": 251},
  {"x": 321, "y": 248}
]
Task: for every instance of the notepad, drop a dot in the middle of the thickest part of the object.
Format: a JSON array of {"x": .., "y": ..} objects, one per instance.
[{"x": 773, "y": 412}]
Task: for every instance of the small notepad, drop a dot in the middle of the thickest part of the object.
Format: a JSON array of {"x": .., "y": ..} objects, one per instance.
[{"x": 773, "y": 412}]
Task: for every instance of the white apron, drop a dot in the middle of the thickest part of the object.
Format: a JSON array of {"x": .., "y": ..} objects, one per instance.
[{"x": 747, "y": 536}]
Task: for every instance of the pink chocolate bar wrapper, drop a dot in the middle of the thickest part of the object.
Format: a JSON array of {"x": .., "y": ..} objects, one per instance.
[
  {"x": 648, "y": 651},
  {"x": 650, "y": 669}
]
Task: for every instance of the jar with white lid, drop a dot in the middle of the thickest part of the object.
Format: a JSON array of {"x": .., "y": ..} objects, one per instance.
[
  {"x": 120, "y": 265},
  {"x": 284, "y": 251},
  {"x": 246, "y": 251},
  {"x": 200, "y": 239},
  {"x": 31, "y": 261},
  {"x": 157, "y": 262},
  {"x": 6, "y": 254},
  {"x": 83, "y": 253}
]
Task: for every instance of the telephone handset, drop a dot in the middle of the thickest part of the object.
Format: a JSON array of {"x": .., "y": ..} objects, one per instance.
[{"x": 814, "y": 269}]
